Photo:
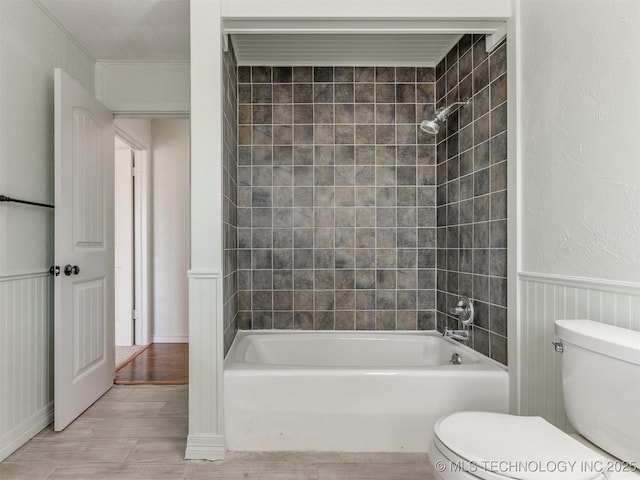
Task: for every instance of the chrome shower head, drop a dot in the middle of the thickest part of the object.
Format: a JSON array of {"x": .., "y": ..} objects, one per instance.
[
  {"x": 430, "y": 126},
  {"x": 441, "y": 115}
]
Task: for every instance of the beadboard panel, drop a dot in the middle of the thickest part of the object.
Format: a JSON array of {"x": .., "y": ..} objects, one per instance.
[
  {"x": 546, "y": 298},
  {"x": 206, "y": 439},
  {"x": 26, "y": 357}
]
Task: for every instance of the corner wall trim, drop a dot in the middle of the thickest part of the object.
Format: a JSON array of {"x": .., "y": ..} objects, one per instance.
[
  {"x": 629, "y": 288},
  {"x": 205, "y": 447}
]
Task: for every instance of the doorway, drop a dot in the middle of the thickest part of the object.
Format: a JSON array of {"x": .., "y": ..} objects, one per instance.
[
  {"x": 124, "y": 245},
  {"x": 152, "y": 248},
  {"x": 132, "y": 205}
]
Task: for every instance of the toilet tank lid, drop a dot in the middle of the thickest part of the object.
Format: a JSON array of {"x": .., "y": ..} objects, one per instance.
[{"x": 616, "y": 342}]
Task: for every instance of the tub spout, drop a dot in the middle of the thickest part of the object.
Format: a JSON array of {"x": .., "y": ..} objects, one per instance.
[{"x": 462, "y": 335}]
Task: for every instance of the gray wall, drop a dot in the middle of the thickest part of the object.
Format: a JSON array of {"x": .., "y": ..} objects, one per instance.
[
  {"x": 230, "y": 192},
  {"x": 471, "y": 194},
  {"x": 336, "y": 198}
]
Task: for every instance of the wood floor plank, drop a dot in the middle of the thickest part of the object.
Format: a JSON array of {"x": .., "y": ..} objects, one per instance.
[
  {"x": 25, "y": 471},
  {"x": 123, "y": 471},
  {"x": 152, "y": 393},
  {"x": 384, "y": 457},
  {"x": 79, "y": 450},
  {"x": 106, "y": 409},
  {"x": 117, "y": 393},
  {"x": 251, "y": 470},
  {"x": 374, "y": 471},
  {"x": 159, "y": 364},
  {"x": 139, "y": 433},
  {"x": 159, "y": 450},
  {"x": 80, "y": 428},
  {"x": 142, "y": 427},
  {"x": 283, "y": 457},
  {"x": 175, "y": 409}
]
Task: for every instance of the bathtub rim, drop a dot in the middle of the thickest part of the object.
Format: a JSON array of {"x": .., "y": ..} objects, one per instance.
[{"x": 483, "y": 363}]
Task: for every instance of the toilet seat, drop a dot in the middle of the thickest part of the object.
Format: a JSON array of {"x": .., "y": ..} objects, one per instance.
[{"x": 496, "y": 446}]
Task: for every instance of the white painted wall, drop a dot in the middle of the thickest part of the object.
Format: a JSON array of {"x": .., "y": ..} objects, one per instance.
[
  {"x": 579, "y": 107},
  {"x": 580, "y": 125},
  {"x": 150, "y": 87},
  {"x": 171, "y": 226},
  {"x": 31, "y": 46}
]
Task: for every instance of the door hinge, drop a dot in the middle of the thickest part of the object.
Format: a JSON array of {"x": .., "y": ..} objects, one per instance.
[
  {"x": 134, "y": 171},
  {"x": 134, "y": 314}
]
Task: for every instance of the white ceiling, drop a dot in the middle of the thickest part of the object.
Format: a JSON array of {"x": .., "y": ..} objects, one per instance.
[
  {"x": 158, "y": 30},
  {"x": 135, "y": 30}
]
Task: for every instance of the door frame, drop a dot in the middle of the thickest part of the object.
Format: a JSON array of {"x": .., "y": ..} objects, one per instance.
[{"x": 143, "y": 292}]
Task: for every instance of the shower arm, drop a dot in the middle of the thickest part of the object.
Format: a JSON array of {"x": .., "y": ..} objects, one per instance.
[{"x": 444, "y": 112}]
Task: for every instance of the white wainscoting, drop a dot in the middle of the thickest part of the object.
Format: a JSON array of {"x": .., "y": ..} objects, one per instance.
[
  {"x": 26, "y": 358},
  {"x": 546, "y": 298},
  {"x": 206, "y": 375}
]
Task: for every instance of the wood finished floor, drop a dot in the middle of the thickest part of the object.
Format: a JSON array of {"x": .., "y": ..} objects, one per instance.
[
  {"x": 158, "y": 364},
  {"x": 139, "y": 433}
]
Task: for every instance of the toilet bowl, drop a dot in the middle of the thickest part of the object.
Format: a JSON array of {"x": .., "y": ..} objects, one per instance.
[
  {"x": 495, "y": 446},
  {"x": 601, "y": 387}
]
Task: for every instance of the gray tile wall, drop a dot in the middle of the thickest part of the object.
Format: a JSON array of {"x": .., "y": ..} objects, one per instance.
[
  {"x": 336, "y": 198},
  {"x": 230, "y": 197},
  {"x": 471, "y": 192}
]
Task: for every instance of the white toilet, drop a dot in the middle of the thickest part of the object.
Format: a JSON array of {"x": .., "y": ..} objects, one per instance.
[{"x": 601, "y": 386}]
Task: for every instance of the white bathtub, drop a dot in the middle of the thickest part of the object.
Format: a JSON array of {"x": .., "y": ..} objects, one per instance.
[{"x": 350, "y": 391}]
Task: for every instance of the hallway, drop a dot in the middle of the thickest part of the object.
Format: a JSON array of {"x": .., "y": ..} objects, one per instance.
[
  {"x": 158, "y": 364},
  {"x": 139, "y": 432}
]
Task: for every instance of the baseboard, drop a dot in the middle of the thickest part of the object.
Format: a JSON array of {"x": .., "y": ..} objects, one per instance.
[
  {"x": 24, "y": 432},
  {"x": 170, "y": 339},
  {"x": 205, "y": 447}
]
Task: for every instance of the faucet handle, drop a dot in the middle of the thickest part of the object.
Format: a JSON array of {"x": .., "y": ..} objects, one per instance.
[{"x": 464, "y": 310}]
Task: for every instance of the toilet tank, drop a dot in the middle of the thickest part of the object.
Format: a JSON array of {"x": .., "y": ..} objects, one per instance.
[{"x": 601, "y": 385}]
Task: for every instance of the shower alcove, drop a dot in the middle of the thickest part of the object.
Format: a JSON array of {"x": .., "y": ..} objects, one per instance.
[{"x": 290, "y": 70}]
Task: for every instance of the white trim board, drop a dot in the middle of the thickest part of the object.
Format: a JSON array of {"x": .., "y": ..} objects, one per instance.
[
  {"x": 205, "y": 273},
  {"x": 612, "y": 286},
  {"x": 205, "y": 447},
  {"x": 327, "y": 26},
  {"x": 9, "y": 277},
  {"x": 374, "y": 9}
]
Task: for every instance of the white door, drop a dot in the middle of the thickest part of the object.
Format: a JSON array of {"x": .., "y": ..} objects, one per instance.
[
  {"x": 83, "y": 323},
  {"x": 124, "y": 246}
]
